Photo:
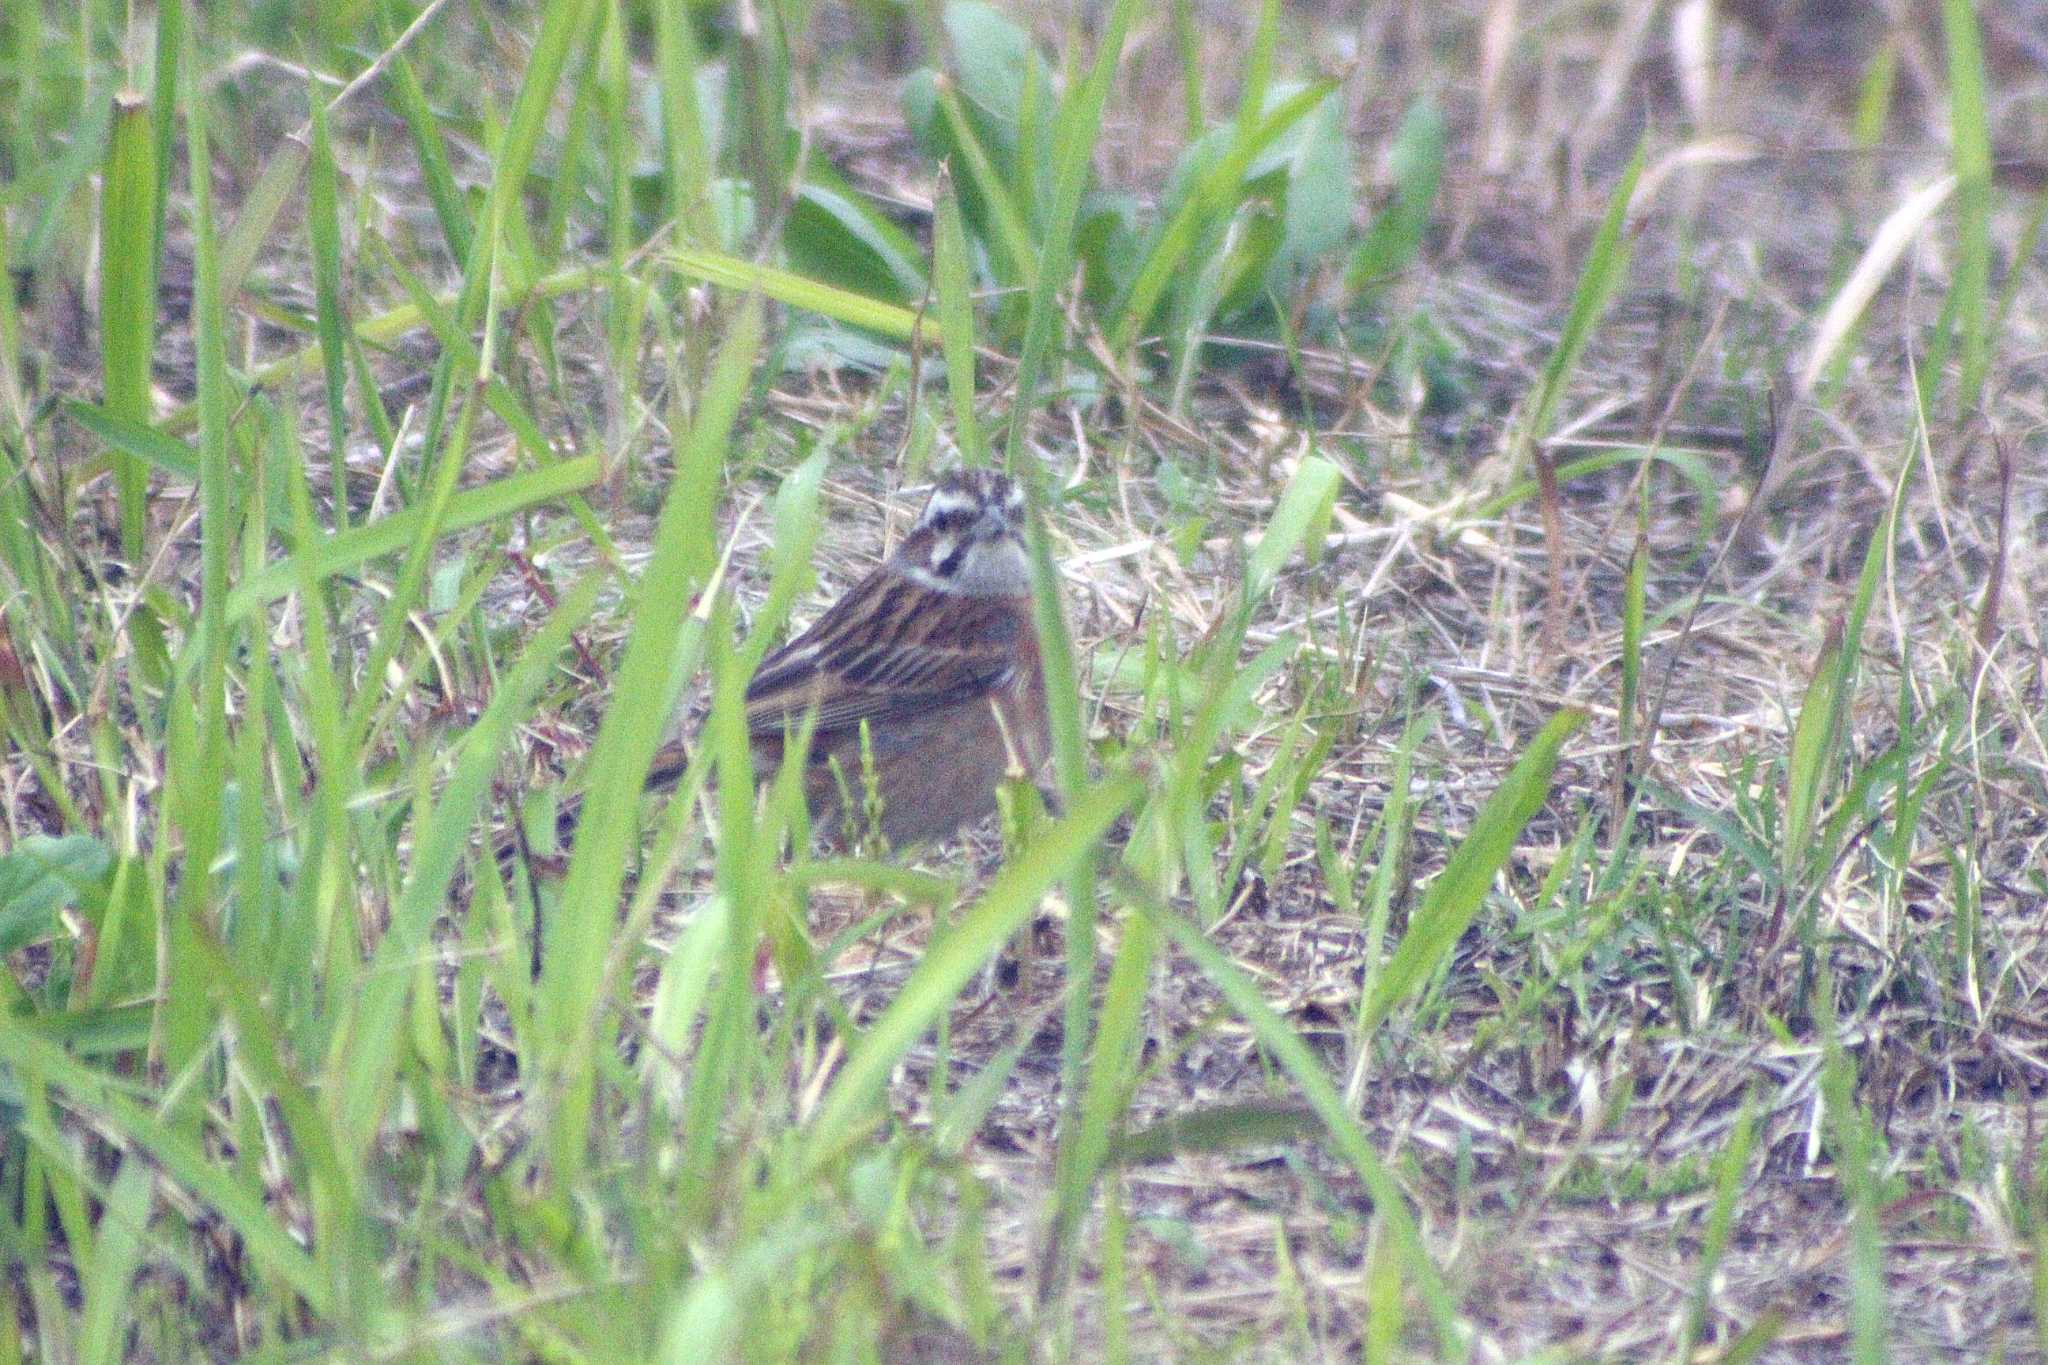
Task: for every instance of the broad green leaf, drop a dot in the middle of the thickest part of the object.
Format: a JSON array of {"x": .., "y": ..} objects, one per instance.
[
  {"x": 839, "y": 239},
  {"x": 42, "y": 875},
  {"x": 1416, "y": 164}
]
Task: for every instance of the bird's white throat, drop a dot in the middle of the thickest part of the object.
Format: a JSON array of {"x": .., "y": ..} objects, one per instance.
[{"x": 988, "y": 568}]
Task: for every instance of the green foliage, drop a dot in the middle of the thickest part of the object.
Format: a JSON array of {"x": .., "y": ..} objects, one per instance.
[
  {"x": 1252, "y": 210},
  {"x": 993, "y": 111},
  {"x": 838, "y": 238},
  {"x": 1416, "y": 162},
  {"x": 41, "y": 876},
  {"x": 1455, "y": 896},
  {"x": 490, "y": 459}
]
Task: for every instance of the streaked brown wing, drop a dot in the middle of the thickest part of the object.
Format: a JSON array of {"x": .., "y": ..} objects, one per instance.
[{"x": 890, "y": 647}]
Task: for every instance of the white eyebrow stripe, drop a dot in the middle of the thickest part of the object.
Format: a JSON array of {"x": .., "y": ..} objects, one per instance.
[
  {"x": 923, "y": 577},
  {"x": 943, "y": 549},
  {"x": 948, "y": 500}
]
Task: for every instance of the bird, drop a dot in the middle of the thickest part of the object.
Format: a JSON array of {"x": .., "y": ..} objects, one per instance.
[
  {"x": 935, "y": 656},
  {"x": 931, "y": 662}
]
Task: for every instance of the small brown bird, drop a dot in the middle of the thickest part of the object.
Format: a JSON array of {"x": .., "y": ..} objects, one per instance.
[{"x": 937, "y": 652}]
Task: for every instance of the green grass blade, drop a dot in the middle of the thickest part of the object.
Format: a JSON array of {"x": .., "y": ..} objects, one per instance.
[
  {"x": 1391, "y": 872},
  {"x": 64, "y": 180},
  {"x": 847, "y": 1110},
  {"x": 1258, "y": 67},
  {"x": 798, "y": 291},
  {"x": 1628, "y": 706},
  {"x": 1075, "y": 131},
  {"x": 561, "y": 22},
  {"x": 1606, "y": 267},
  {"x": 1299, "y": 522},
  {"x": 362, "y": 1067},
  {"x": 745, "y": 885},
  {"x": 1455, "y": 896},
  {"x": 680, "y": 566},
  {"x": 409, "y": 99},
  {"x": 163, "y": 105},
  {"x": 128, "y": 232},
  {"x": 1003, "y": 206},
  {"x": 1969, "y": 126},
  {"x": 323, "y": 228},
  {"x": 310, "y": 953},
  {"x": 1825, "y": 710},
  {"x": 1730, "y": 1170},
  {"x": 686, "y": 154},
  {"x": 201, "y": 777},
  {"x": 1119, "y": 1037},
  {"x": 137, "y": 439},
  {"x": 117, "y": 1254},
  {"x": 757, "y": 75},
  {"x": 1854, "y": 1146},
  {"x": 274, "y": 188},
  {"x": 1809, "y": 765},
  {"x": 348, "y": 550}
]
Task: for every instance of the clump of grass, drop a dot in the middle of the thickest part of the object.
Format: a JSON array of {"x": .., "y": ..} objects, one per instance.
[{"x": 1404, "y": 953}]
